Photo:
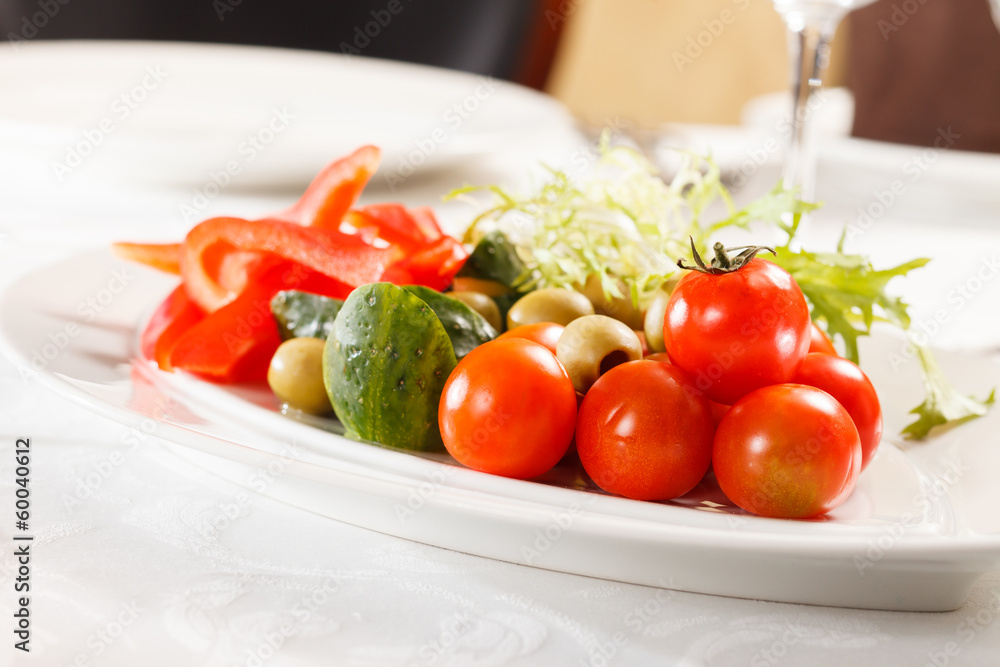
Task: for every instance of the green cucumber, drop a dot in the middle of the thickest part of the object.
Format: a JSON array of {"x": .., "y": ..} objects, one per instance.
[
  {"x": 304, "y": 315},
  {"x": 385, "y": 365},
  {"x": 466, "y": 328},
  {"x": 494, "y": 258}
]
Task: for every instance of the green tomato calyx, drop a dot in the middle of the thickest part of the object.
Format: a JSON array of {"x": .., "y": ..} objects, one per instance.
[{"x": 723, "y": 262}]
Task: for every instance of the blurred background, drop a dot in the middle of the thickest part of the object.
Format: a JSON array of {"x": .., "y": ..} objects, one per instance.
[{"x": 914, "y": 66}]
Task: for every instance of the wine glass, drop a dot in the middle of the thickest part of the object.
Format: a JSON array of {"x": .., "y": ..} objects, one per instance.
[{"x": 811, "y": 25}]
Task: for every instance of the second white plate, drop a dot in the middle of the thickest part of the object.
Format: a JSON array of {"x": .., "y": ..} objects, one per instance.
[{"x": 174, "y": 114}]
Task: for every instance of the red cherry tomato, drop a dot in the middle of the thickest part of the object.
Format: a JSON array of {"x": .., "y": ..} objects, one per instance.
[
  {"x": 645, "y": 432},
  {"x": 509, "y": 409},
  {"x": 787, "y": 451},
  {"x": 718, "y": 411},
  {"x": 847, "y": 383},
  {"x": 820, "y": 342},
  {"x": 738, "y": 331},
  {"x": 543, "y": 333}
]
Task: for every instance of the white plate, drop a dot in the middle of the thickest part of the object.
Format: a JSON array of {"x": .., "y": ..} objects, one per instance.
[
  {"x": 189, "y": 109},
  {"x": 920, "y": 528}
]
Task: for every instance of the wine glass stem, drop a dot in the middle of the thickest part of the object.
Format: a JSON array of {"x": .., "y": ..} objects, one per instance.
[{"x": 808, "y": 47}]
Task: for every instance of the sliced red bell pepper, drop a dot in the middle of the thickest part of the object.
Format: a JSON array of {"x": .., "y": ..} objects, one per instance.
[
  {"x": 334, "y": 190},
  {"x": 235, "y": 343},
  {"x": 392, "y": 222},
  {"x": 162, "y": 256},
  {"x": 175, "y": 315},
  {"x": 188, "y": 316},
  {"x": 345, "y": 258},
  {"x": 435, "y": 266},
  {"x": 427, "y": 221}
]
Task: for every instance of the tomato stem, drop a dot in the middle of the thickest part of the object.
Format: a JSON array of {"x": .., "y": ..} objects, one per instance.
[{"x": 723, "y": 262}]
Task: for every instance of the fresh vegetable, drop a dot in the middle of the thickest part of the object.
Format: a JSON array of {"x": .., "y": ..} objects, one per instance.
[
  {"x": 423, "y": 254},
  {"x": 623, "y": 222},
  {"x": 295, "y": 375},
  {"x": 334, "y": 190},
  {"x": 303, "y": 314},
  {"x": 495, "y": 258},
  {"x": 311, "y": 246},
  {"x": 848, "y": 384},
  {"x": 508, "y": 409},
  {"x": 482, "y": 304},
  {"x": 652, "y": 325},
  {"x": 645, "y": 432},
  {"x": 787, "y": 451},
  {"x": 162, "y": 256},
  {"x": 546, "y": 334},
  {"x": 466, "y": 328},
  {"x": 434, "y": 266},
  {"x": 820, "y": 342},
  {"x": 736, "y": 326},
  {"x": 561, "y": 306},
  {"x": 594, "y": 344},
  {"x": 345, "y": 260},
  {"x": 944, "y": 405},
  {"x": 174, "y": 316},
  {"x": 233, "y": 344},
  {"x": 621, "y": 308},
  {"x": 393, "y": 223},
  {"x": 385, "y": 365}
]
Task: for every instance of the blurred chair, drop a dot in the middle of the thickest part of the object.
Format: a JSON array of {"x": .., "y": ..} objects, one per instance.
[
  {"x": 512, "y": 39},
  {"x": 919, "y": 68}
]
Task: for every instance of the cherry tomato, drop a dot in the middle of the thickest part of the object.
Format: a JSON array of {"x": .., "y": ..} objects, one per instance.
[
  {"x": 718, "y": 411},
  {"x": 738, "y": 331},
  {"x": 645, "y": 432},
  {"x": 847, "y": 383},
  {"x": 820, "y": 342},
  {"x": 543, "y": 333},
  {"x": 509, "y": 409},
  {"x": 787, "y": 451}
]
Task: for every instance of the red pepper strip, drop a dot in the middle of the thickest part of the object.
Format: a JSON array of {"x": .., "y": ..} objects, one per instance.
[
  {"x": 177, "y": 312},
  {"x": 233, "y": 344},
  {"x": 188, "y": 316},
  {"x": 427, "y": 221},
  {"x": 165, "y": 257},
  {"x": 435, "y": 266},
  {"x": 334, "y": 190},
  {"x": 392, "y": 222},
  {"x": 342, "y": 257},
  {"x": 236, "y": 342}
]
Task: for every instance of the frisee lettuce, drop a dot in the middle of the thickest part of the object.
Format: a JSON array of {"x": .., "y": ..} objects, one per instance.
[{"x": 627, "y": 225}]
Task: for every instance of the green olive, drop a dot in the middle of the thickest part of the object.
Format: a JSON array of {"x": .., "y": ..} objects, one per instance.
[
  {"x": 480, "y": 303},
  {"x": 487, "y": 287},
  {"x": 657, "y": 310},
  {"x": 553, "y": 304},
  {"x": 591, "y": 346},
  {"x": 621, "y": 308},
  {"x": 296, "y": 375}
]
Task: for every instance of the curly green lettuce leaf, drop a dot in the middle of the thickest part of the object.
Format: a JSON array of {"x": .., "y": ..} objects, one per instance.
[
  {"x": 845, "y": 293},
  {"x": 944, "y": 405},
  {"x": 623, "y": 223}
]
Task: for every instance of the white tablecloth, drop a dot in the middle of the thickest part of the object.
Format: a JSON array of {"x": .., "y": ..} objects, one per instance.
[{"x": 128, "y": 569}]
